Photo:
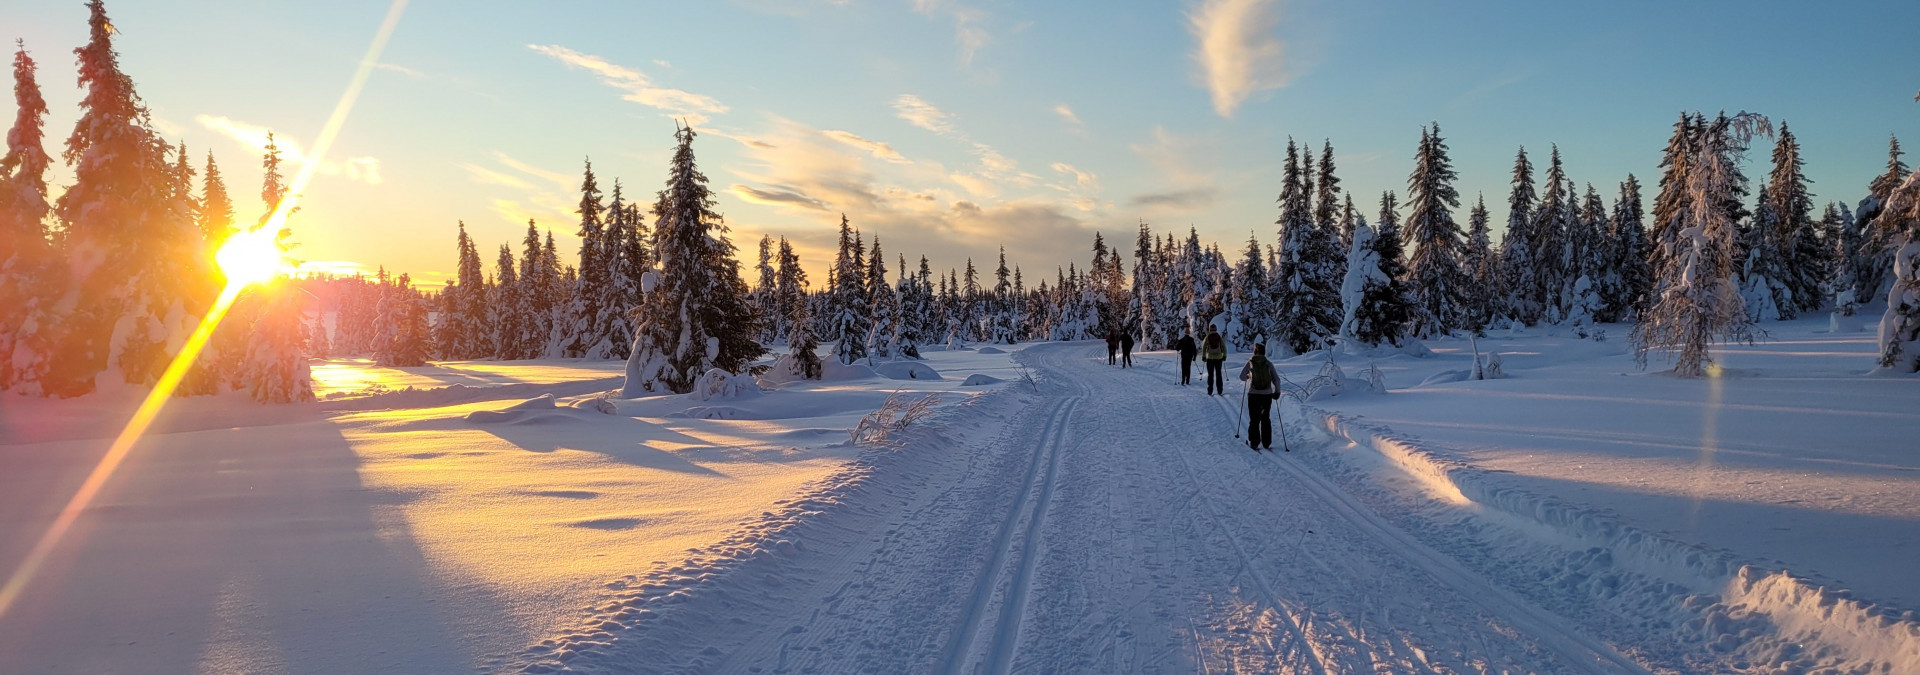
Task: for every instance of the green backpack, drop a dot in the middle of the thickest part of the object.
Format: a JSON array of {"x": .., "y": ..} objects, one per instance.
[{"x": 1262, "y": 373}]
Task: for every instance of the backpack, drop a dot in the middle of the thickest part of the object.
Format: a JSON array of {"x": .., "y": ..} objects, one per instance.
[
  {"x": 1262, "y": 373},
  {"x": 1216, "y": 346}
]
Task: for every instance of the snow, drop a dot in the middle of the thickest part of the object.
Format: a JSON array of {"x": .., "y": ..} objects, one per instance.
[{"x": 1580, "y": 515}]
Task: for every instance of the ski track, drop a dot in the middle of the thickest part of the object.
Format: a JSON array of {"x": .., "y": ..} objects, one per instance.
[{"x": 1063, "y": 539}]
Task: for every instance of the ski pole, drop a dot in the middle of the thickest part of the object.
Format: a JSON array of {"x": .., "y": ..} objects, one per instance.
[
  {"x": 1237, "y": 416},
  {"x": 1280, "y": 420}
]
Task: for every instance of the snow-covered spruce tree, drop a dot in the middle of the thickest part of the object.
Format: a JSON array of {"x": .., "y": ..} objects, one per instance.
[
  {"x": 1480, "y": 265},
  {"x": 884, "y": 335},
  {"x": 576, "y": 323},
  {"x": 1252, "y": 307},
  {"x": 506, "y": 312},
  {"x": 1695, "y": 297},
  {"x": 1874, "y": 260},
  {"x": 1434, "y": 277},
  {"x": 1795, "y": 234},
  {"x": 1670, "y": 207},
  {"x": 915, "y": 307},
  {"x": 1897, "y": 228},
  {"x": 1763, "y": 287},
  {"x": 1519, "y": 272},
  {"x": 461, "y": 330},
  {"x": 136, "y": 264},
  {"x": 1626, "y": 256},
  {"x": 1001, "y": 304},
  {"x": 28, "y": 285},
  {"x": 1326, "y": 205},
  {"x": 1142, "y": 303},
  {"x": 275, "y": 369},
  {"x": 1588, "y": 246},
  {"x": 626, "y": 260},
  {"x": 695, "y": 316},
  {"x": 1385, "y": 311},
  {"x": 1843, "y": 239},
  {"x": 537, "y": 281},
  {"x": 852, "y": 319},
  {"x": 402, "y": 326},
  {"x": 776, "y": 323},
  {"x": 1306, "y": 296},
  {"x": 1552, "y": 247},
  {"x": 803, "y": 348}
]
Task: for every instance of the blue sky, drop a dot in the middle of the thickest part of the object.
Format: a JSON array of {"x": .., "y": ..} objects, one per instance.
[{"x": 951, "y": 127}]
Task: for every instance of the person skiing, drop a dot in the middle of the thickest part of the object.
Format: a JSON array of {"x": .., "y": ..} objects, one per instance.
[
  {"x": 1126, "y": 348},
  {"x": 1188, "y": 351},
  {"x": 1263, "y": 388},
  {"x": 1214, "y": 352},
  {"x": 1113, "y": 346}
]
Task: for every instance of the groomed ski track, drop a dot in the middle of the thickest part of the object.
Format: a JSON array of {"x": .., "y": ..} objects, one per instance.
[{"x": 1107, "y": 523}]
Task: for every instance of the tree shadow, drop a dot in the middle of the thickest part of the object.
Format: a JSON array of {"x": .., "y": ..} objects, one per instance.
[{"x": 237, "y": 550}]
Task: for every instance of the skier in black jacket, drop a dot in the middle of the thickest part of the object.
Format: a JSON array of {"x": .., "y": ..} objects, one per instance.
[
  {"x": 1188, "y": 352},
  {"x": 1113, "y": 346},
  {"x": 1126, "y": 349}
]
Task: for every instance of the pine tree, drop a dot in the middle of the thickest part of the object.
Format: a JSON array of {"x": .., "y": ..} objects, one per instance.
[
  {"x": 275, "y": 369},
  {"x": 1670, "y": 207},
  {"x": 142, "y": 272},
  {"x": 1844, "y": 238},
  {"x": 1763, "y": 277},
  {"x": 1897, "y": 229},
  {"x": 404, "y": 335},
  {"x": 1554, "y": 223},
  {"x": 1306, "y": 295},
  {"x": 467, "y": 302},
  {"x": 507, "y": 317},
  {"x": 803, "y": 357},
  {"x": 1481, "y": 268},
  {"x": 1794, "y": 233},
  {"x": 27, "y": 259},
  {"x": 696, "y": 316},
  {"x": 1381, "y": 307},
  {"x": 1627, "y": 257},
  {"x": 1588, "y": 247},
  {"x": 1438, "y": 286},
  {"x": 852, "y": 319},
  {"x": 763, "y": 294},
  {"x": 579, "y": 328},
  {"x": 1326, "y": 203},
  {"x": 884, "y": 336},
  {"x": 216, "y": 208},
  {"x": 1874, "y": 260},
  {"x": 1519, "y": 271},
  {"x": 1253, "y": 307},
  {"x": 1004, "y": 330},
  {"x": 1695, "y": 298}
]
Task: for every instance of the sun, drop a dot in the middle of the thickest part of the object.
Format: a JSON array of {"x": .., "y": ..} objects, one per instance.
[{"x": 251, "y": 257}]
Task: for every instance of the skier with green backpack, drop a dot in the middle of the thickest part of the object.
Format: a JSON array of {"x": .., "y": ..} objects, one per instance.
[{"x": 1263, "y": 388}]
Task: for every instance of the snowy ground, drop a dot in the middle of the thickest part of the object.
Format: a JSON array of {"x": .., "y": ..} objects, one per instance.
[{"x": 1579, "y": 516}]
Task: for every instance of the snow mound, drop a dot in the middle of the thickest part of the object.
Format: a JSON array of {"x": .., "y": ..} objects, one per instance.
[
  {"x": 907, "y": 370},
  {"x": 597, "y": 404},
  {"x": 835, "y": 370},
  {"x": 989, "y": 350},
  {"x": 980, "y": 380},
  {"x": 523, "y": 411},
  {"x": 1445, "y": 376},
  {"x": 1413, "y": 348},
  {"x": 1838, "y": 324},
  {"x": 713, "y": 412},
  {"x": 717, "y": 383}
]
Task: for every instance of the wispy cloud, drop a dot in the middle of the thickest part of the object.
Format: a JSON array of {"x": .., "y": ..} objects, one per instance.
[
  {"x": 969, "y": 25},
  {"x": 777, "y": 196},
  {"x": 1179, "y": 200},
  {"x": 562, "y": 180},
  {"x": 403, "y": 70},
  {"x": 254, "y": 137},
  {"x": 1066, "y": 113},
  {"x": 486, "y": 176},
  {"x": 880, "y": 150},
  {"x": 638, "y": 87},
  {"x": 919, "y": 113},
  {"x": 533, "y": 199},
  {"x": 1084, "y": 179},
  {"x": 1236, "y": 49},
  {"x": 1191, "y": 187}
]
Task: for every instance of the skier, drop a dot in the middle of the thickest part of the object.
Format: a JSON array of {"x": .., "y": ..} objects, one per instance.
[
  {"x": 1113, "y": 346},
  {"x": 1263, "y": 387},
  {"x": 1188, "y": 351},
  {"x": 1126, "y": 349},
  {"x": 1214, "y": 352}
]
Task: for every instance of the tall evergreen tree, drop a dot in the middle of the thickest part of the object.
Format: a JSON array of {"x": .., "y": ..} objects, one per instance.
[
  {"x": 763, "y": 293},
  {"x": 1253, "y": 307},
  {"x": 1554, "y": 223},
  {"x": 1695, "y": 297},
  {"x": 884, "y": 337},
  {"x": 1628, "y": 257},
  {"x": 27, "y": 259},
  {"x": 138, "y": 273},
  {"x": 1479, "y": 263},
  {"x": 1519, "y": 261},
  {"x": 1439, "y": 287},
  {"x": 216, "y": 208},
  {"x": 507, "y": 315},
  {"x": 803, "y": 358},
  {"x": 1874, "y": 260},
  {"x": 852, "y": 320},
  {"x": 1376, "y": 293},
  {"x": 579, "y": 328},
  {"x": 1306, "y": 293},
  {"x": 1795, "y": 234},
  {"x": 696, "y": 316},
  {"x": 1897, "y": 229},
  {"x": 1764, "y": 289}
]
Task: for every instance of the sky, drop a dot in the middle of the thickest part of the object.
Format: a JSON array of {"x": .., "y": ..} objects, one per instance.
[{"x": 951, "y": 128}]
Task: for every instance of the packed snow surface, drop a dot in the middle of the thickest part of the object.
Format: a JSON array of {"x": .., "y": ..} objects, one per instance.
[{"x": 1579, "y": 515}]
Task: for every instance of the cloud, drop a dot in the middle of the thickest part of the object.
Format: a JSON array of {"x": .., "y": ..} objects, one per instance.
[
  {"x": 254, "y": 137},
  {"x": 919, "y": 113},
  {"x": 535, "y": 199},
  {"x": 1179, "y": 200},
  {"x": 880, "y": 150},
  {"x": 968, "y": 29},
  {"x": 338, "y": 268},
  {"x": 777, "y": 197},
  {"x": 1236, "y": 50},
  {"x": 1067, "y": 114},
  {"x": 1085, "y": 179},
  {"x": 403, "y": 70},
  {"x": 486, "y": 176},
  {"x": 638, "y": 87},
  {"x": 564, "y": 181}
]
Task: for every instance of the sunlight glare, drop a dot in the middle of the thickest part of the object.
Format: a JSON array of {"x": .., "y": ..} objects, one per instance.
[{"x": 251, "y": 257}]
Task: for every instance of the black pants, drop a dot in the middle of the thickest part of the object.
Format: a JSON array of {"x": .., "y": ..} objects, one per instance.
[
  {"x": 1126, "y": 356},
  {"x": 1186, "y": 372},
  {"x": 1259, "y": 420},
  {"x": 1216, "y": 382},
  {"x": 1110, "y": 349}
]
